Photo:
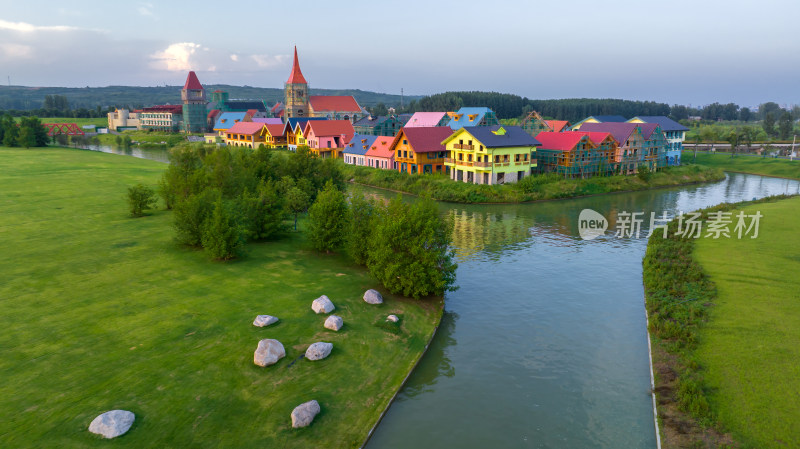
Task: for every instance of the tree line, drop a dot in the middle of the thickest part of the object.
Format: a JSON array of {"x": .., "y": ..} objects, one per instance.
[
  {"x": 224, "y": 197},
  {"x": 29, "y": 132}
]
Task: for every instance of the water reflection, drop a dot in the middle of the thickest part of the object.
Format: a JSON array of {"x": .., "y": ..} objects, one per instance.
[
  {"x": 435, "y": 364},
  {"x": 153, "y": 154}
]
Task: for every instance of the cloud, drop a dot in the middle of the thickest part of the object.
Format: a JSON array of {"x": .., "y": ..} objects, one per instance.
[
  {"x": 176, "y": 57},
  {"x": 16, "y": 51},
  {"x": 28, "y": 28},
  {"x": 145, "y": 9},
  {"x": 267, "y": 61},
  {"x": 234, "y": 57}
]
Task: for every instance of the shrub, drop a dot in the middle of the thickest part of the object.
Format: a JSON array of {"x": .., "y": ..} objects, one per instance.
[
  {"x": 328, "y": 219},
  {"x": 362, "y": 214},
  {"x": 644, "y": 173},
  {"x": 190, "y": 214},
  {"x": 222, "y": 236},
  {"x": 140, "y": 199},
  {"x": 263, "y": 211}
]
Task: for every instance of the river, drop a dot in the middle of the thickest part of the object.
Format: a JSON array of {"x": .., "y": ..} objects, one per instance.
[{"x": 544, "y": 344}]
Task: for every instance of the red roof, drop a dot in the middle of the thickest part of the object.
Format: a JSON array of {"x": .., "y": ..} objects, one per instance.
[
  {"x": 425, "y": 139},
  {"x": 559, "y": 141},
  {"x": 296, "y": 77},
  {"x": 339, "y": 103},
  {"x": 278, "y": 105},
  {"x": 213, "y": 113},
  {"x": 192, "y": 82},
  {"x": 248, "y": 128},
  {"x": 596, "y": 136},
  {"x": 557, "y": 125},
  {"x": 275, "y": 130},
  {"x": 327, "y": 128},
  {"x": 382, "y": 147}
]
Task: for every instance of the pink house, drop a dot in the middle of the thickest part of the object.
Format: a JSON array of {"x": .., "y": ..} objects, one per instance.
[
  {"x": 427, "y": 120},
  {"x": 380, "y": 154},
  {"x": 327, "y": 138}
]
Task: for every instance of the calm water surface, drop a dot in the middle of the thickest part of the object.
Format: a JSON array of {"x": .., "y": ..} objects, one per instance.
[{"x": 544, "y": 344}]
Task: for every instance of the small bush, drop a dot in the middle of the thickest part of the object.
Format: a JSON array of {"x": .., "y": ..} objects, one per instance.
[{"x": 140, "y": 199}]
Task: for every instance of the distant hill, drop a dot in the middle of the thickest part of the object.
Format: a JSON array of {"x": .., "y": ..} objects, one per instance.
[{"x": 24, "y": 98}]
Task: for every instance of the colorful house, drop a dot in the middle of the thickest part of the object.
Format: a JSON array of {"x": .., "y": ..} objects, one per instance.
[
  {"x": 226, "y": 120},
  {"x": 335, "y": 107},
  {"x": 382, "y": 125},
  {"x": 245, "y": 134},
  {"x": 267, "y": 120},
  {"x": 420, "y": 150},
  {"x": 355, "y": 151},
  {"x": 293, "y": 131},
  {"x": 674, "y": 132},
  {"x": 534, "y": 124},
  {"x": 490, "y": 154},
  {"x": 470, "y": 117},
  {"x": 273, "y": 134},
  {"x": 575, "y": 154},
  {"x": 380, "y": 154},
  {"x": 639, "y": 144},
  {"x": 599, "y": 119},
  {"x": 428, "y": 119},
  {"x": 327, "y": 138}
]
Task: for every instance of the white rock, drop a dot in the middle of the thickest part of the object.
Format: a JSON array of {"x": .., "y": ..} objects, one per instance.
[
  {"x": 322, "y": 305},
  {"x": 334, "y": 323},
  {"x": 268, "y": 353},
  {"x": 392, "y": 318},
  {"x": 264, "y": 320},
  {"x": 112, "y": 424},
  {"x": 303, "y": 414},
  {"x": 319, "y": 350},
  {"x": 373, "y": 296}
]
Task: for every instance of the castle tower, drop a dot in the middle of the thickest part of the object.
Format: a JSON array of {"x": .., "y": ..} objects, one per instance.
[
  {"x": 194, "y": 105},
  {"x": 296, "y": 91}
]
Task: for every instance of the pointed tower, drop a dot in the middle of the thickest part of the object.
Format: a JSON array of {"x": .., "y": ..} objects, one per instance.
[
  {"x": 194, "y": 105},
  {"x": 296, "y": 90}
]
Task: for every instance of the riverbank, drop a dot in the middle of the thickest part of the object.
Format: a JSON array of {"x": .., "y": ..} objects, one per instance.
[
  {"x": 104, "y": 311},
  {"x": 754, "y": 165},
  {"x": 711, "y": 342},
  {"x": 533, "y": 188}
]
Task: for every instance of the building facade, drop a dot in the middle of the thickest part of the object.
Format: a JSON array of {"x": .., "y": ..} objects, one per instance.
[
  {"x": 296, "y": 92},
  {"x": 674, "y": 133},
  {"x": 194, "y": 111},
  {"x": 490, "y": 154},
  {"x": 420, "y": 150},
  {"x": 327, "y": 138},
  {"x": 161, "y": 118}
]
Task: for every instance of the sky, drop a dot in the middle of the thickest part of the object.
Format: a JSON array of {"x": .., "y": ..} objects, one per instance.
[{"x": 678, "y": 52}]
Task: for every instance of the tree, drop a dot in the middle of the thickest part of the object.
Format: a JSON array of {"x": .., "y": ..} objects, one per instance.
[
  {"x": 222, "y": 236},
  {"x": 36, "y": 136},
  {"x": 745, "y": 114},
  {"x": 733, "y": 139},
  {"x": 785, "y": 125},
  {"x": 297, "y": 202},
  {"x": 769, "y": 107},
  {"x": 748, "y": 134},
  {"x": 140, "y": 199},
  {"x": 362, "y": 214},
  {"x": 409, "y": 250},
  {"x": 769, "y": 124},
  {"x": 263, "y": 211},
  {"x": 379, "y": 109},
  {"x": 26, "y": 138},
  {"x": 190, "y": 215},
  {"x": 328, "y": 218},
  {"x": 10, "y": 135}
]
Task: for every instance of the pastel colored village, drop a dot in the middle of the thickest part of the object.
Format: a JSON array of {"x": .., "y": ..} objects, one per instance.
[{"x": 324, "y": 263}]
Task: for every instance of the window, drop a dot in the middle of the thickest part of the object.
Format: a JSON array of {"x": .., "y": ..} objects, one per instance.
[
  {"x": 405, "y": 142},
  {"x": 460, "y": 156}
]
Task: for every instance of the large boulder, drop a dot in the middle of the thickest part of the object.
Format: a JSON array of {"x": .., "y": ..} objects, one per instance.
[
  {"x": 319, "y": 350},
  {"x": 303, "y": 414},
  {"x": 373, "y": 296},
  {"x": 264, "y": 320},
  {"x": 322, "y": 305},
  {"x": 268, "y": 353},
  {"x": 334, "y": 323},
  {"x": 112, "y": 424},
  {"x": 392, "y": 318}
]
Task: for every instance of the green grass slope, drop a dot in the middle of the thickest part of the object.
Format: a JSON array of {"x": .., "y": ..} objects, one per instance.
[{"x": 768, "y": 166}]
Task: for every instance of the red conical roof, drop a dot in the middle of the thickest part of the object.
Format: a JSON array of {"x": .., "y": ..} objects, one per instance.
[
  {"x": 297, "y": 76},
  {"x": 192, "y": 82}
]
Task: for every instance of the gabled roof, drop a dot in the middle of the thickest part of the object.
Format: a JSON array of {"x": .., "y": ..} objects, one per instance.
[
  {"x": 269, "y": 120},
  {"x": 667, "y": 124},
  {"x": 334, "y": 103},
  {"x": 328, "y": 128},
  {"x": 647, "y": 129},
  {"x": 557, "y": 125},
  {"x": 566, "y": 141},
  {"x": 426, "y": 119},
  {"x": 274, "y": 129},
  {"x": 296, "y": 77},
  {"x": 213, "y": 113},
  {"x": 381, "y": 147},
  {"x": 228, "y": 119},
  {"x": 292, "y": 122},
  {"x": 620, "y": 131},
  {"x": 596, "y": 136},
  {"x": 371, "y": 120},
  {"x": 278, "y": 106},
  {"x": 359, "y": 144},
  {"x": 192, "y": 83},
  {"x": 248, "y": 128},
  {"x": 467, "y": 117},
  {"x": 424, "y": 139},
  {"x": 499, "y": 136}
]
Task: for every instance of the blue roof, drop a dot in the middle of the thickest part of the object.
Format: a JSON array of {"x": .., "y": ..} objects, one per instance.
[
  {"x": 513, "y": 137},
  {"x": 667, "y": 124},
  {"x": 292, "y": 122},
  {"x": 359, "y": 144},
  {"x": 228, "y": 119},
  {"x": 463, "y": 115}
]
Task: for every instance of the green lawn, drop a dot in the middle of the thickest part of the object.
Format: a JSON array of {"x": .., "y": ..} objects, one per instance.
[
  {"x": 783, "y": 168},
  {"x": 99, "y": 121},
  {"x": 750, "y": 348},
  {"x": 101, "y": 311}
]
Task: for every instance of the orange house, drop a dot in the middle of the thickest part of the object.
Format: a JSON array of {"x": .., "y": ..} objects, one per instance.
[
  {"x": 420, "y": 149},
  {"x": 273, "y": 135}
]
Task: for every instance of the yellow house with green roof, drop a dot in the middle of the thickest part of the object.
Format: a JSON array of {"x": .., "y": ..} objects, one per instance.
[{"x": 490, "y": 154}]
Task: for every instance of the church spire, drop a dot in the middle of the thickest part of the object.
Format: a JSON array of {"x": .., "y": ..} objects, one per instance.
[{"x": 297, "y": 76}]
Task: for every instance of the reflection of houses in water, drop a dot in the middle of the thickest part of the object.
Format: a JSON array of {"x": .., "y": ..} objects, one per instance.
[{"x": 475, "y": 231}]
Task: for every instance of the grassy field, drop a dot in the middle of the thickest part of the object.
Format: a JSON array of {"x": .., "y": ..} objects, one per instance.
[
  {"x": 532, "y": 188},
  {"x": 748, "y": 164},
  {"x": 100, "y": 121},
  {"x": 147, "y": 138},
  {"x": 102, "y": 311},
  {"x": 751, "y": 346}
]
